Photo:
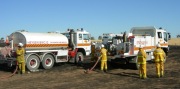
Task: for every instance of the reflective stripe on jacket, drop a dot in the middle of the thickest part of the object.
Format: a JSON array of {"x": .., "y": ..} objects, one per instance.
[
  {"x": 159, "y": 55},
  {"x": 141, "y": 57}
]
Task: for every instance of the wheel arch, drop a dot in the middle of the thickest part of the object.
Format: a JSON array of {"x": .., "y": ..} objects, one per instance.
[{"x": 82, "y": 51}]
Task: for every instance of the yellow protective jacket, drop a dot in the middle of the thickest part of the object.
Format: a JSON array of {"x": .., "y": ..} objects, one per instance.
[
  {"x": 20, "y": 55},
  {"x": 141, "y": 57},
  {"x": 103, "y": 55},
  {"x": 159, "y": 55}
]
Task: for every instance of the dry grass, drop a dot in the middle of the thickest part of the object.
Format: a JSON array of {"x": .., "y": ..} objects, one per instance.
[{"x": 174, "y": 41}]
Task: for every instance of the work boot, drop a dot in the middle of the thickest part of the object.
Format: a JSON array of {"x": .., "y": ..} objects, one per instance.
[
  {"x": 101, "y": 71},
  {"x": 144, "y": 77},
  {"x": 105, "y": 71},
  {"x": 162, "y": 76},
  {"x": 158, "y": 76},
  {"x": 18, "y": 72},
  {"x": 23, "y": 73}
]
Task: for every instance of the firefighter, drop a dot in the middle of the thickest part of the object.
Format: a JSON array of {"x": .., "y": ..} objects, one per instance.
[
  {"x": 142, "y": 63},
  {"x": 20, "y": 58},
  {"x": 93, "y": 52},
  {"x": 159, "y": 61},
  {"x": 103, "y": 56}
]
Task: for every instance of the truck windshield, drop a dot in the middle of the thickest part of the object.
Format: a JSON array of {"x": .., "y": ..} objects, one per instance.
[
  {"x": 165, "y": 37},
  {"x": 86, "y": 36},
  {"x": 143, "y": 32}
]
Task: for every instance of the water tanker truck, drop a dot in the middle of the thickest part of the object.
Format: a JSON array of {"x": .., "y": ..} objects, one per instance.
[{"x": 49, "y": 48}]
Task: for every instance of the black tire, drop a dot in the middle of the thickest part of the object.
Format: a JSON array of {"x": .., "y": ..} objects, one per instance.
[
  {"x": 32, "y": 63},
  {"x": 48, "y": 61},
  {"x": 79, "y": 58},
  {"x": 135, "y": 65}
]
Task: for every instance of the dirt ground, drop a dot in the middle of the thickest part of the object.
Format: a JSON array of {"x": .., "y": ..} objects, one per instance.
[{"x": 69, "y": 76}]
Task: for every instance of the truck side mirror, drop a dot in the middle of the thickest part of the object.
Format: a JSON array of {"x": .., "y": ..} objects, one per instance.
[{"x": 169, "y": 36}]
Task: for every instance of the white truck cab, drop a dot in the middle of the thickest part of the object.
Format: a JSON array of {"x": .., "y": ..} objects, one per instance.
[{"x": 148, "y": 37}]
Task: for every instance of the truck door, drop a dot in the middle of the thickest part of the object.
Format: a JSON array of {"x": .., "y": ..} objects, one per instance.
[
  {"x": 80, "y": 39},
  {"x": 83, "y": 39},
  {"x": 87, "y": 42},
  {"x": 84, "y": 42},
  {"x": 160, "y": 37}
]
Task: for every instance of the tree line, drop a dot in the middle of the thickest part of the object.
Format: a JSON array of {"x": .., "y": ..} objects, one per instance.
[
  {"x": 99, "y": 38},
  {"x": 178, "y": 36}
]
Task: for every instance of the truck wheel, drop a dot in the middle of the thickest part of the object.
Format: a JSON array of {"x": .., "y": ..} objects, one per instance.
[
  {"x": 32, "y": 63},
  {"x": 79, "y": 58},
  {"x": 48, "y": 61},
  {"x": 135, "y": 65}
]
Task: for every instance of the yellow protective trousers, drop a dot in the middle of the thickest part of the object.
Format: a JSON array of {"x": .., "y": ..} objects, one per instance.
[
  {"x": 22, "y": 67},
  {"x": 142, "y": 71},
  {"x": 103, "y": 65},
  {"x": 160, "y": 69}
]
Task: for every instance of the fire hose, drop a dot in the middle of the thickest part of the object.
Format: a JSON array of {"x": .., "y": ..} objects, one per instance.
[
  {"x": 89, "y": 70},
  {"x": 5, "y": 77}
]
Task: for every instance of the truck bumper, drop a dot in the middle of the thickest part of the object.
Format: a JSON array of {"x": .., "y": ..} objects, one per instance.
[{"x": 9, "y": 61}]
